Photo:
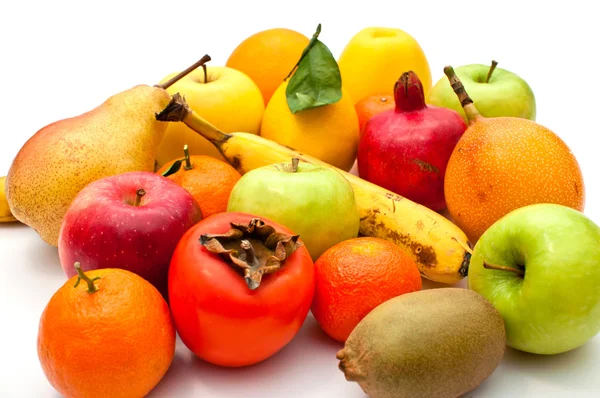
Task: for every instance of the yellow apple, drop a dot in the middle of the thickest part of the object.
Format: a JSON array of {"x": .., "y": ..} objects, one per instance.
[
  {"x": 376, "y": 57},
  {"x": 228, "y": 99}
]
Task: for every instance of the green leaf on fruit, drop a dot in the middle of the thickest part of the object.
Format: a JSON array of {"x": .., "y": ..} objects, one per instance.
[
  {"x": 173, "y": 169},
  {"x": 317, "y": 80}
]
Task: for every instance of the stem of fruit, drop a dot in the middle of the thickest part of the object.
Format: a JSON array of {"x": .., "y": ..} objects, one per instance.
[
  {"x": 205, "y": 73},
  {"x": 188, "y": 162},
  {"x": 295, "y": 162},
  {"x": 138, "y": 196},
  {"x": 310, "y": 45},
  {"x": 517, "y": 271},
  {"x": 489, "y": 75},
  {"x": 179, "y": 111},
  {"x": 465, "y": 101},
  {"x": 181, "y": 75},
  {"x": 82, "y": 276}
]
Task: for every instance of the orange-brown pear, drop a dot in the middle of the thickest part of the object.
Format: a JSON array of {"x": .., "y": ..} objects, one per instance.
[
  {"x": 503, "y": 163},
  {"x": 59, "y": 160}
]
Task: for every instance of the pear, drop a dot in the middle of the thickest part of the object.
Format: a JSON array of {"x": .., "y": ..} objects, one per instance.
[{"x": 120, "y": 135}]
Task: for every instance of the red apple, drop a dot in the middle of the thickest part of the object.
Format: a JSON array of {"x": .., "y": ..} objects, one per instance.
[{"x": 131, "y": 221}]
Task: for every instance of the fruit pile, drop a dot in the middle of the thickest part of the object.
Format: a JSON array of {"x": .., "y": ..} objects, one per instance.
[{"x": 225, "y": 214}]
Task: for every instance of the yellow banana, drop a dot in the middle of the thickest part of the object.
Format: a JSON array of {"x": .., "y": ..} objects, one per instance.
[
  {"x": 5, "y": 214},
  {"x": 440, "y": 249}
]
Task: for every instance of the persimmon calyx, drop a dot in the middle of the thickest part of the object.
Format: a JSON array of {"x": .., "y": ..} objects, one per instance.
[{"x": 254, "y": 249}]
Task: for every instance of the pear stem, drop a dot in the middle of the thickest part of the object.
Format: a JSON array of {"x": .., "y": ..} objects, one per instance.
[
  {"x": 517, "y": 271},
  {"x": 138, "y": 197},
  {"x": 82, "y": 276},
  {"x": 188, "y": 163},
  {"x": 489, "y": 75},
  {"x": 181, "y": 75},
  {"x": 465, "y": 101}
]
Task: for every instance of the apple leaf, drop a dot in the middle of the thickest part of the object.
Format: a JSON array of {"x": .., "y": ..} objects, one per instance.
[
  {"x": 173, "y": 169},
  {"x": 317, "y": 80}
]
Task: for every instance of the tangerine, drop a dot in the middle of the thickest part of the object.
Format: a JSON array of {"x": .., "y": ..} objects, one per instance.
[
  {"x": 355, "y": 276},
  {"x": 110, "y": 336},
  {"x": 209, "y": 180},
  {"x": 371, "y": 105}
]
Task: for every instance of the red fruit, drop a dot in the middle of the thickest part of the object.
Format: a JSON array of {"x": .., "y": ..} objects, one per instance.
[
  {"x": 224, "y": 317},
  {"x": 406, "y": 149}
]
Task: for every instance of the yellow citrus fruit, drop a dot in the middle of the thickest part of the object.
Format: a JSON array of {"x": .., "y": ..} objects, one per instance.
[
  {"x": 328, "y": 133},
  {"x": 268, "y": 56},
  {"x": 229, "y": 99},
  {"x": 374, "y": 59}
]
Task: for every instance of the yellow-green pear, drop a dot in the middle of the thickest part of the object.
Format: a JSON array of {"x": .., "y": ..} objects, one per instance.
[{"x": 118, "y": 136}]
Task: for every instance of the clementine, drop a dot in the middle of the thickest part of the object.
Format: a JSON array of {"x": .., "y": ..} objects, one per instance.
[
  {"x": 110, "y": 336},
  {"x": 208, "y": 179},
  {"x": 372, "y": 105},
  {"x": 355, "y": 276},
  {"x": 268, "y": 56}
]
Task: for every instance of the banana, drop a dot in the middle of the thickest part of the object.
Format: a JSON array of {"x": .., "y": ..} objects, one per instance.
[
  {"x": 5, "y": 214},
  {"x": 440, "y": 249}
]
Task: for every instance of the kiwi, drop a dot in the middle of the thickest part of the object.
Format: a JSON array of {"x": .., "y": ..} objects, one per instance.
[{"x": 430, "y": 343}]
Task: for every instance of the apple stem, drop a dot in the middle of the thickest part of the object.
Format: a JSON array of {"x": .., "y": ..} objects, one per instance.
[
  {"x": 205, "y": 73},
  {"x": 465, "y": 101},
  {"x": 295, "y": 162},
  {"x": 138, "y": 197},
  {"x": 188, "y": 162},
  {"x": 489, "y": 75},
  {"x": 181, "y": 75},
  {"x": 82, "y": 276},
  {"x": 517, "y": 271}
]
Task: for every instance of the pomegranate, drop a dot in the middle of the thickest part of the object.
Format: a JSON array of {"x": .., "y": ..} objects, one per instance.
[{"x": 406, "y": 149}]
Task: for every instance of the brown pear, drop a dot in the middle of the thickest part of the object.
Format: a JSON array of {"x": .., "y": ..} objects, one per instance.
[{"x": 118, "y": 136}]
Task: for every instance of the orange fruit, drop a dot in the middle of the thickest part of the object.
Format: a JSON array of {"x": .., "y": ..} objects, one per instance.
[
  {"x": 355, "y": 276},
  {"x": 503, "y": 163},
  {"x": 372, "y": 105},
  {"x": 209, "y": 180},
  {"x": 108, "y": 334},
  {"x": 268, "y": 56}
]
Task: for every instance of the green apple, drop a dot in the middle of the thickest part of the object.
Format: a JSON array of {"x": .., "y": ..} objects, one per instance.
[
  {"x": 495, "y": 92},
  {"x": 539, "y": 265},
  {"x": 316, "y": 202}
]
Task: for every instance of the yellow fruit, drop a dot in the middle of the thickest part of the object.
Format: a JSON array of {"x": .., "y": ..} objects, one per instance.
[
  {"x": 229, "y": 99},
  {"x": 268, "y": 56},
  {"x": 376, "y": 57},
  {"x": 328, "y": 133},
  {"x": 5, "y": 214}
]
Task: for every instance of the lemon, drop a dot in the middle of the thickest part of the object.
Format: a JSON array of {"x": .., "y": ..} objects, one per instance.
[{"x": 328, "y": 133}]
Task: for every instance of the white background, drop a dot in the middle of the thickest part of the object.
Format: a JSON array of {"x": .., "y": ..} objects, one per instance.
[{"x": 59, "y": 59}]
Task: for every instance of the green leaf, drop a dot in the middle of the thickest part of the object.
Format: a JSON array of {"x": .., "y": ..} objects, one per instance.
[
  {"x": 173, "y": 169},
  {"x": 317, "y": 81}
]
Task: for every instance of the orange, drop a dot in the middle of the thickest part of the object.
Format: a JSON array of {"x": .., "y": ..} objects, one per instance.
[
  {"x": 268, "y": 56},
  {"x": 503, "y": 163},
  {"x": 328, "y": 133},
  {"x": 371, "y": 105},
  {"x": 355, "y": 276},
  {"x": 108, "y": 334},
  {"x": 209, "y": 180}
]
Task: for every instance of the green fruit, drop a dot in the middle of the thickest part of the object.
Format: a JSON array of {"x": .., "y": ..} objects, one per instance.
[
  {"x": 314, "y": 201},
  {"x": 431, "y": 343}
]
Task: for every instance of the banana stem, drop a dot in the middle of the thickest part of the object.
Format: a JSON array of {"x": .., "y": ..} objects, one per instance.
[
  {"x": 181, "y": 75},
  {"x": 179, "y": 111}
]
